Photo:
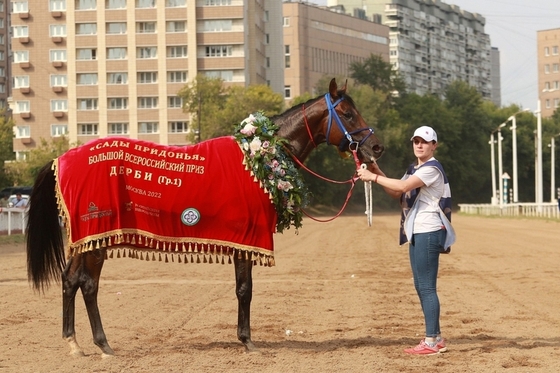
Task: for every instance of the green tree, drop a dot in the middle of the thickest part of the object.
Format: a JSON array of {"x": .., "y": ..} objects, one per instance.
[
  {"x": 25, "y": 172},
  {"x": 241, "y": 102},
  {"x": 379, "y": 75},
  {"x": 6, "y": 148},
  {"x": 204, "y": 98}
]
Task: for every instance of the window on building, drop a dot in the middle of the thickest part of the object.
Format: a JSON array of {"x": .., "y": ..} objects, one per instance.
[
  {"x": 117, "y": 78},
  {"x": 174, "y": 102},
  {"x": 115, "y": 28},
  {"x": 58, "y": 55},
  {"x": 547, "y": 104},
  {"x": 556, "y": 85},
  {"x": 145, "y": 3},
  {"x": 145, "y": 27},
  {"x": 21, "y": 81},
  {"x": 88, "y": 129},
  {"x": 546, "y": 69},
  {"x": 57, "y": 5},
  {"x": 57, "y": 30},
  {"x": 21, "y": 56},
  {"x": 147, "y": 102},
  {"x": 556, "y": 101},
  {"x": 175, "y": 26},
  {"x": 86, "y": 79},
  {"x": 218, "y": 26},
  {"x": 146, "y": 52},
  {"x": 88, "y": 104},
  {"x": 217, "y": 2},
  {"x": 86, "y": 54},
  {"x": 115, "y": 4},
  {"x": 219, "y": 50},
  {"x": 555, "y": 50},
  {"x": 554, "y": 67},
  {"x": 20, "y": 31},
  {"x": 266, "y": 16},
  {"x": 86, "y": 28},
  {"x": 287, "y": 91},
  {"x": 58, "y": 130},
  {"x": 176, "y": 51},
  {"x": 2, "y": 39},
  {"x": 116, "y": 53},
  {"x": 59, "y": 80},
  {"x": 225, "y": 75},
  {"x": 2, "y": 88},
  {"x": 547, "y": 86},
  {"x": 175, "y": 3},
  {"x": 59, "y": 105},
  {"x": 23, "y": 132},
  {"x": 19, "y": 7},
  {"x": 177, "y": 127},
  {"x": 266, "y": 39},
  {"x": 268, "y": 62},
  {"x": 86, "y": 4},
  {"x": 2, "y": 71},
  {"x": 286, "y": 21},
  {"x": 148, "y": 127},
  {"x": 147, "y": 77},
  {"x": 546, "y": 51},
  {"x": 119, "y": 103},
  {"x": 176, "y": 76},
  {"x": 287, "y": 62},
  {"x": 118, "y": 128}
]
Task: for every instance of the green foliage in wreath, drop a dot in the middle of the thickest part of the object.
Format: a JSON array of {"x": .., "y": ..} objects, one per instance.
[{"x": 266, "y": 158}]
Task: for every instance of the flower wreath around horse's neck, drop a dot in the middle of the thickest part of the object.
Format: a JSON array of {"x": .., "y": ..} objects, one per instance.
[{"x": 266, "y": 157}]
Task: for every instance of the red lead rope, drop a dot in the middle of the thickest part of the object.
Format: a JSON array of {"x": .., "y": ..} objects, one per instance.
[{"x": 352, "y": 181}]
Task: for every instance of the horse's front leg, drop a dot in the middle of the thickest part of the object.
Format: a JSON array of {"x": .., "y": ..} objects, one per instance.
[
  {"x": 244, "y": 292},
  {"x": 70, "y": 285},
  {"x": 93, "y": 263}
]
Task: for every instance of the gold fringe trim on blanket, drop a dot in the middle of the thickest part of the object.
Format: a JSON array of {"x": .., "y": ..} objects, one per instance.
[{"x": 116, "y": 247}]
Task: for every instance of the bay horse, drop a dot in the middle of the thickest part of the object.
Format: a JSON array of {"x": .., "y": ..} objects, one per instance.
[{"x": 302, "y": 127}]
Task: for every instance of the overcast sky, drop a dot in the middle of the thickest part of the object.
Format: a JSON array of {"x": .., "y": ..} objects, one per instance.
[{"x": 512, "y": 26}]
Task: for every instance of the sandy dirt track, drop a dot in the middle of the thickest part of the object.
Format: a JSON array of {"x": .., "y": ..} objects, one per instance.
[{"x": 340, "y": 299}]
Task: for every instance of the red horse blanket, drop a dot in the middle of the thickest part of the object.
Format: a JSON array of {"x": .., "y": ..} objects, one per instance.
[{"x": 198, "y": 199}]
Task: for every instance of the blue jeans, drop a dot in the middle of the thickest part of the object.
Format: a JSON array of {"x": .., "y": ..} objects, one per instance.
[{"x": 424, "y": 260}]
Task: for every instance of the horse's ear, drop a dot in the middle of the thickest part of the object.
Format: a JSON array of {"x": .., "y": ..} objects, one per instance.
[
  {"x": 333, "y": 88},
  {"x": 343, "y": 89}
]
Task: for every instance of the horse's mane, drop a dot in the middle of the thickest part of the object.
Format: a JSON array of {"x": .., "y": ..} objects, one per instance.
[{"x": 298, "y": 107}]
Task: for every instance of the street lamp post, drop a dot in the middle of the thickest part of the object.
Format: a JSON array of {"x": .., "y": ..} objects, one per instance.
[
  {"x": 500, "y": 163},
  {"x": 552, "y": 169},
  {"x": 539, "y": 155},
  {"x": 493, "y": 165},
  {"x": 514, "y": 151}
]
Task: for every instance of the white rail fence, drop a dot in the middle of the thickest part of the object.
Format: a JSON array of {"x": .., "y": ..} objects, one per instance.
[
  {"x": 12, "y": 220},
  {"x": 548, "y": 210}
]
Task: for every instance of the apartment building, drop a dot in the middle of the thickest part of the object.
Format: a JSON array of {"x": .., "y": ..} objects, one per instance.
[
  {"x": 320, "y": 42},
  {"x": 96, "y": 68},
  {"x": 548, "y": 62},
  {"x": 4, "y": 54},
  {"x": 433, "y": 43}
]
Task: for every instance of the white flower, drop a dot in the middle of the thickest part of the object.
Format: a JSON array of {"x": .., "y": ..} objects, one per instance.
[
  {"x": 248, "y": 130},
  {"x": 284, "y": 185},
  {"x": 246, "y": 146},
  {"x": 255, "y": 145}
]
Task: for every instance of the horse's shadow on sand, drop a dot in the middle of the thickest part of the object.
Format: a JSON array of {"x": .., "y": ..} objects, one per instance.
[{"x": 480, "y": 342}]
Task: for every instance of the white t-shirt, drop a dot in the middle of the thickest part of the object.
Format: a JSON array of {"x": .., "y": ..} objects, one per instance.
[{"x": 428, "y": 218}]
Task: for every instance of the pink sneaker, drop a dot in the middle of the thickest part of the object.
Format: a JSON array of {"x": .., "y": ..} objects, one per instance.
[
  {"x": 422, "y": 349},
  {"x": 441, "y": 345}
]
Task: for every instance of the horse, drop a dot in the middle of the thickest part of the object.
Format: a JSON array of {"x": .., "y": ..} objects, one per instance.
[{"x": 302, "y": 128}]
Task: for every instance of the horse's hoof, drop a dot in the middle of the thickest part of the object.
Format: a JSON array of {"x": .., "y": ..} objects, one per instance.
[
  {"x": 77, "y": 353},
  {"x": 250, "y": 348},
  {"x": 107, "y": 356}
]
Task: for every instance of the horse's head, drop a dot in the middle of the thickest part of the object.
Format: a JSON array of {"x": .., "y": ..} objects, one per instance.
[{"x": 346, "y": 128}]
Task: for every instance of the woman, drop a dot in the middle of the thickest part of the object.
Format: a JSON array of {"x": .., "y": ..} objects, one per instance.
[{"x": 426, "y": 210}]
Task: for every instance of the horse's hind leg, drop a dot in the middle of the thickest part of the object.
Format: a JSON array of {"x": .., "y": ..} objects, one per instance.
[
  {"x": 70, "y": 285},
  {"x": 244, "y": 292},
  {"x": 93, "y": 263}
]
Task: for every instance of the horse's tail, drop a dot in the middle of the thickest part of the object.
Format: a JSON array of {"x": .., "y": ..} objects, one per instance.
[{"x": 45, "y": 245}]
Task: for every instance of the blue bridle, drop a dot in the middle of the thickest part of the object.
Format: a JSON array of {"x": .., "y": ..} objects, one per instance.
[{"x": 348, "y": 135}]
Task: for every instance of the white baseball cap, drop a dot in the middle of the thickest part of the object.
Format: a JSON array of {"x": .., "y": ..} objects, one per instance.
[{"x": 425, "y": 132}]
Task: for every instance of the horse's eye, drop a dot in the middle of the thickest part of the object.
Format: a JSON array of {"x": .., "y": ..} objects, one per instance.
[{"x": 347, "y": 114}]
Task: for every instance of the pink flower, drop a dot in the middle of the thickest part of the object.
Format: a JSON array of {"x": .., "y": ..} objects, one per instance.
[
  {"x": 284, "y": 185},
  {"x": 248, "y": 130}
]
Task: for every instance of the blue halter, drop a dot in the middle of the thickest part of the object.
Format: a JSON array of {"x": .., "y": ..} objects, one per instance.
[{"x": 348, "y": 135}]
